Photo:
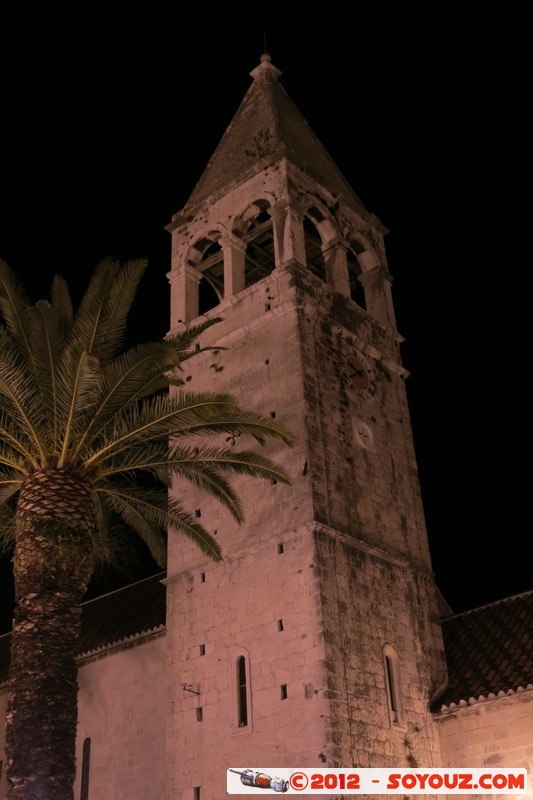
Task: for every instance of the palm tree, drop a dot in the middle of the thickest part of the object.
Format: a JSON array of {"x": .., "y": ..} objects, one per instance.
[{"x": 91, "y": 434}]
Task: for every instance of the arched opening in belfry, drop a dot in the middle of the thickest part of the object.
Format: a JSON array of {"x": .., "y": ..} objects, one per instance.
[
  {"x": 357, "y": 292},
  {"x": 313, "y": 244},
  {"x": 257, "y": 233},
  {"x": 211, "y": 266},
  {"x": 207, "y": 296},
  {"x": 357, "y": 247}
]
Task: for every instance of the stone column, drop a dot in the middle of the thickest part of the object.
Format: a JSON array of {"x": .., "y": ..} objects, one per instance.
[
  {"x": 289, "y": 240},
  {"x": 336, "y": 261},
  {"x": 376, "y": 281},
  {"x": 234, "y": 250},
  {"x": 184, "y": 294}
]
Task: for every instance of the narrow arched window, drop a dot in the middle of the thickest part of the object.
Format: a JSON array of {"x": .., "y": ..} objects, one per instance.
[
  {"x": 85, "y": 763},
  {"x": 242, "y": 692},
  {"x": 393, "y": 684}
]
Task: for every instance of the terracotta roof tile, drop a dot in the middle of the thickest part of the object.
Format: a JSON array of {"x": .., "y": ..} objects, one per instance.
[
  {"x": 127, "y": 612},
  {"x": 489, "y": 651}
]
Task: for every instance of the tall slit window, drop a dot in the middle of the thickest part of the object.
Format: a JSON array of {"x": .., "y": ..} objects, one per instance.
[
  {"x": 242, "y": 692},
  {"x": 393, "y": 684},
  {"x": 86, "y": 758}
]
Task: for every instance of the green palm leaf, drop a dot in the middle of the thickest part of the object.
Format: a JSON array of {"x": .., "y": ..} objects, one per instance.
[
  {"x": 14, "y": 305},
  {"x": 21, "y": 400},
  {"x": 62, "y": 305},
  {"x": 76, "y": 393},
  {"x": 186, "y": 341},
  {"x": 144, "y": 512},
  {"x": 132, "y": 376},
  {"x": 47, "y": 343},
  {"x": 100, "y": 324}
]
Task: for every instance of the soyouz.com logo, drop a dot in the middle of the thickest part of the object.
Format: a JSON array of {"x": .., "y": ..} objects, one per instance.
[{"x": 250, "y": 780}]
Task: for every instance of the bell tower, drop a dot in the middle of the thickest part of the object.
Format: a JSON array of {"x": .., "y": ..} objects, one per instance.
[{"x": 316, "y": 640}]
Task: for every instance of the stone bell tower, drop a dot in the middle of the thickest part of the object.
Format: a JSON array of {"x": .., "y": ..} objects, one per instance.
[{"x": 316, "y": 640}]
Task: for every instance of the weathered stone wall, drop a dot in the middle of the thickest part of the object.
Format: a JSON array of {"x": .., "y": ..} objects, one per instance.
[
  {"x": 490, "y": 733},
  {"x": 262, "y": 604},
  {"x": 370, "y": 602},
  {"x": 366, "y": 489},
  {"x": 122, "y": 702},
  {"x": 260, "y": 364},
  {"x": 354, "y": 573}
]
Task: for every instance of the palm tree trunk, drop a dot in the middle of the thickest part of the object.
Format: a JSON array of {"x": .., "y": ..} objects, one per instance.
[{"x": 52, "y": 568}]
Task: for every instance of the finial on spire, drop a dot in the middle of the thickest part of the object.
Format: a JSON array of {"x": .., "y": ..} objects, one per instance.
[
  {"x": 265, "y": 56},
  {"x": 265, "y": 62}
]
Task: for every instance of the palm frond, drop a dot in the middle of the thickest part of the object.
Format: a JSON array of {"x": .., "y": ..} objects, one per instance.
[
  {"x": 140, "y": 508},
  {"x": 62, "y": 305},
  {"x": 101, "y": 514},
  {"x": 214, "y": 484},
  {"x": 9, "y": 485},
  {"x": 155, "y": 419},
  {"x": 76, "y": 392},
  {"x": 47, "y": 343},
  {"x": 13, "y": 459},
  {"x": 180, "y": 521},
  {"x": 203, "y": 474},
  {"x": 16, "y": 449},
  {"x": 239, "y": 462},
  {"x": 184, "y": 340},
  {"x": 140, "y": 372},
  {"x": 211, "y": 414},
  {"x": 144, "y": 511},
  {"x": 100, "y": 323},
  {"x": 7, "y": 526},
  {"x": 21, "y": 400},
  {"x": 187, "y": 415},
  {"x": 144, "y": 457},
  {"x": 14, "y": 304}
]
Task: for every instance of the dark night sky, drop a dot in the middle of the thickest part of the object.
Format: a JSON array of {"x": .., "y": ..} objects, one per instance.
[{"x": 104, "y": 135}]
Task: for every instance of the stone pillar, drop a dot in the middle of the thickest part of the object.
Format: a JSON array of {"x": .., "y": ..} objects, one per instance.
[
  {"x": 376, "y": 281},
  {"x": 234, "y": 250},
  {"x": 336, "y": 261},
  {"x": 184, "y": 294},
  {"x": 289, "y": 240}
]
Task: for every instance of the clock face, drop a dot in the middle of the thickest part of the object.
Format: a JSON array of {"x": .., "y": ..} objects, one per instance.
[{"x": 358, "y": 375}]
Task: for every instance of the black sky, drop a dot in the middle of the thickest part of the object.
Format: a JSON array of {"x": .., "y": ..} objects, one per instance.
[{"x": 104, "y": 134}]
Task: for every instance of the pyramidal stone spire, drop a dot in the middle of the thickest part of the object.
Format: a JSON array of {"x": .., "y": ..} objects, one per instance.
[{"x": 267, "y": 128}]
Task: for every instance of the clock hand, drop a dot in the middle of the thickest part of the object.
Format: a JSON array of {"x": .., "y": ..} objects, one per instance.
[{"x": 358, "y": 372}]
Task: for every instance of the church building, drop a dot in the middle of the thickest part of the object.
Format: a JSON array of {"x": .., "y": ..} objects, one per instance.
[{"x": 320, "y": 639}]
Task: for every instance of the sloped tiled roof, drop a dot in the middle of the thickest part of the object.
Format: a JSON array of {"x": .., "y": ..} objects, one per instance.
[
  {"x": 119, "y": 615},
  {"x": 489, "y": 652},
  {"x": 113, "y": 618}
]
